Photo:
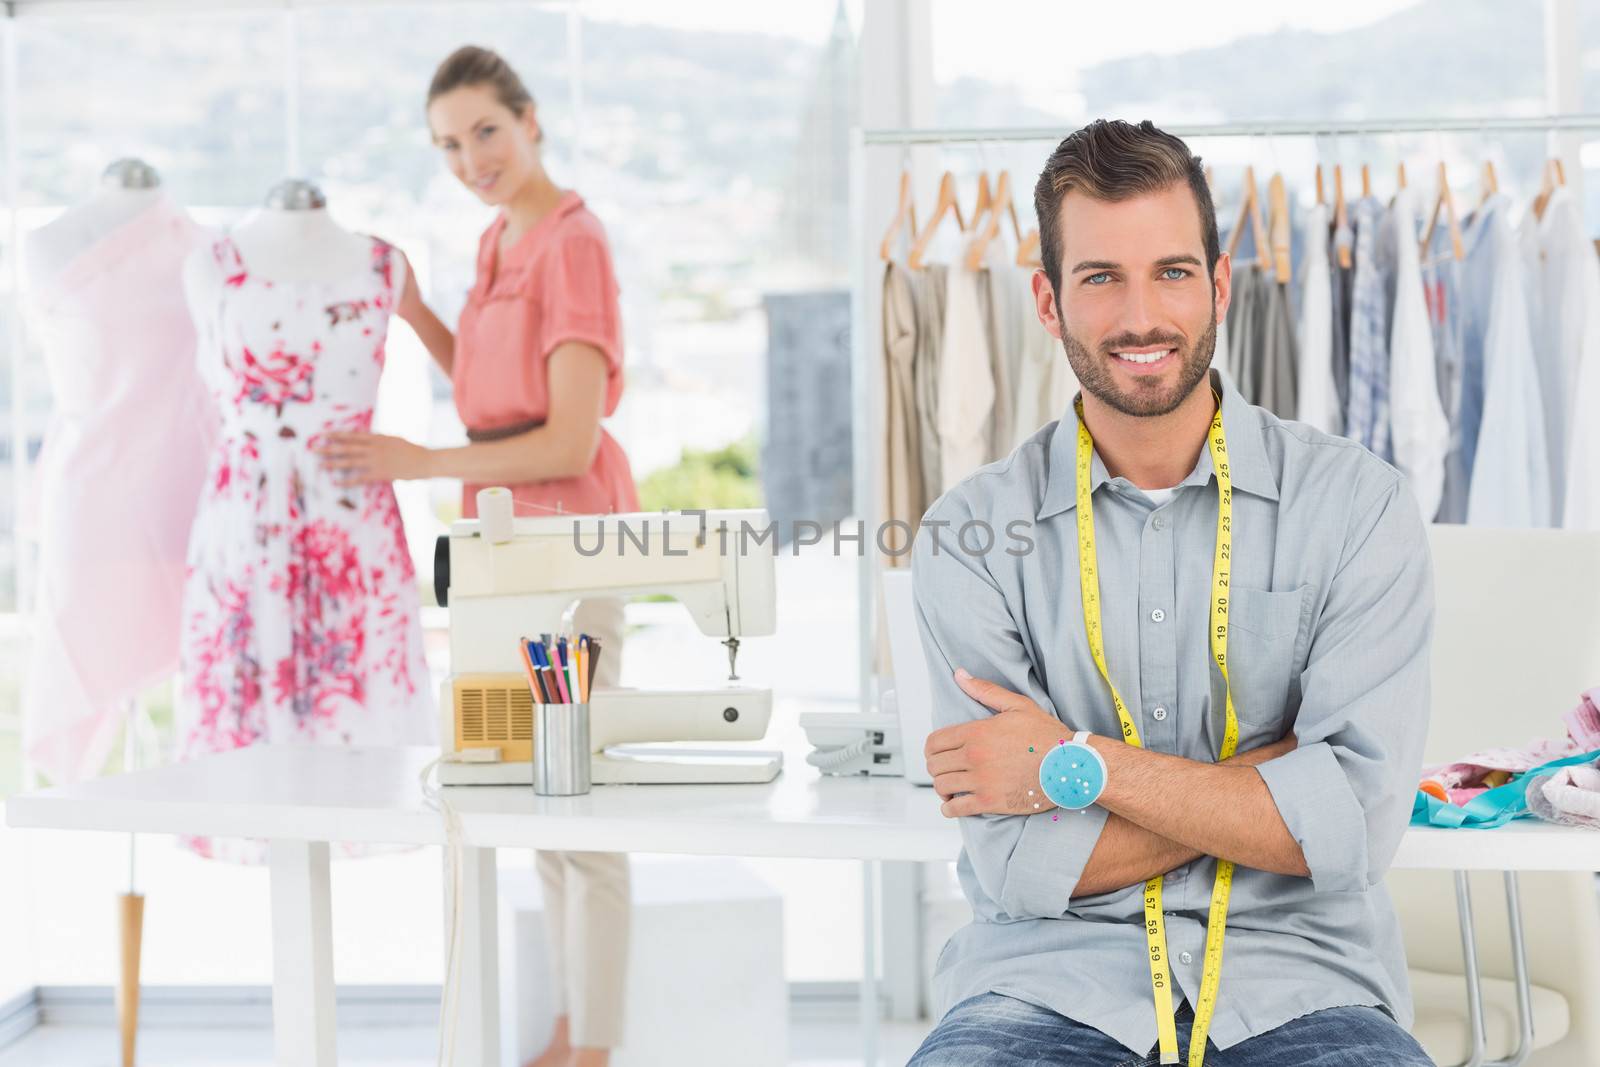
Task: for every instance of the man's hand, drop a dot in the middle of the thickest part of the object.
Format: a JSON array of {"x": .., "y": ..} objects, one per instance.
[{"x": 991, "y": 766}]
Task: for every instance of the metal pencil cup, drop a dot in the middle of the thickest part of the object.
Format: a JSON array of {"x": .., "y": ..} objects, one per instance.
[{"x": 560, "y": 749}]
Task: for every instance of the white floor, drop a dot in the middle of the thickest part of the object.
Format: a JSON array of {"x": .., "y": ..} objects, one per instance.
[{"x": 810, "y": 1045}]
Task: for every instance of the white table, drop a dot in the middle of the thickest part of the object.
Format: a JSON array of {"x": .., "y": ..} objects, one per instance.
[{"x": 300, "y": 799}]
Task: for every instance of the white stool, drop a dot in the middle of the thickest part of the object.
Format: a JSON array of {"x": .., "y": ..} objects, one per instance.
[{"x": 705, "y": 967}]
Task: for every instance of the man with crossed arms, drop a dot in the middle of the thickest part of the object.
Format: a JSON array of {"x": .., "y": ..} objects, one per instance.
[{"x": 1329, "y": 618}]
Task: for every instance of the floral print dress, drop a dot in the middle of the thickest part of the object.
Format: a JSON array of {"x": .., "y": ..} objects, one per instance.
[{"x": 301, "y": 614}]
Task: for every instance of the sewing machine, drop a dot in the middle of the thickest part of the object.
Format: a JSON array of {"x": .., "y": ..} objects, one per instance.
[{"x": 505, "y": 578}]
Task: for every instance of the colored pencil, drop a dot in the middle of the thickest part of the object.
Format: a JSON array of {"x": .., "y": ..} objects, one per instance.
[
  {"x": 533, "y": 674},
  {"x": 544, "y": 672},
  {"x": 560, "y": 673}
]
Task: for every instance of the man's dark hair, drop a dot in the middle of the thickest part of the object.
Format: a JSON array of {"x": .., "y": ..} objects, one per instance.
[{"x": 1115, "y": 160}]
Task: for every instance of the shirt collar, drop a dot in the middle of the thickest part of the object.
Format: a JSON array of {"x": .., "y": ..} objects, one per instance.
[
  {"x": 569, "y": 202},
  {"x": 1241, "y": 425}
]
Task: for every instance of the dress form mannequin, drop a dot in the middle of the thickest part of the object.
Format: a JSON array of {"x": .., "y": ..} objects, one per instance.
[
  {"x": 292, "y": 238},
  {"x": 127, "y": 187},
  {"x": 128, "y": 210},
  {"x": 300, "y": 620}
]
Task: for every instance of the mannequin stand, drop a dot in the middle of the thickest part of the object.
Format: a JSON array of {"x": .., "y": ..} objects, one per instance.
[{"x": 130, "y": 912}]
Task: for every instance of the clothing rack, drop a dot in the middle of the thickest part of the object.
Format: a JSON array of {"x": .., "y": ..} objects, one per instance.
[
  {"x": 866, "y": 385},
  {"x": 1267, "y": 128}
]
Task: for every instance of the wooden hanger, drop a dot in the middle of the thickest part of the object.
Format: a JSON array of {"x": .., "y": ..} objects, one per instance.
[
  {"x": 944, "y": 206},
  {"x": 1491, "y": 184},
  {"x": 1278, "y": 200},
  {"x": 985, "y": 200},
  {"x": 1402, "y": 184},
  {"x": 1341, "y": 215},
  {"x": 1249, "y": 215},
  {"x": 1366, "y": 182},
  {"x": 1028, "y": 250},
  {"x": 1321, "y": 198},
  {"x": 1002, "y": 204},
  {"x": 905, "y": 213},
  {"x": 1446, "y": 202},
  {"x": 1547, "y": 185},
  {"x": 1561, "y": 170}
]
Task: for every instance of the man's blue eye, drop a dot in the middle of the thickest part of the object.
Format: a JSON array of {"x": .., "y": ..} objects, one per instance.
[
  {"x": 1179, "y": 271},
  {"x": 1091, "y": 278}
]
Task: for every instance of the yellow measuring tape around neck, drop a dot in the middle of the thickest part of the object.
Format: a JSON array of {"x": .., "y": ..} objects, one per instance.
[{"x": 1155, "y": 926}]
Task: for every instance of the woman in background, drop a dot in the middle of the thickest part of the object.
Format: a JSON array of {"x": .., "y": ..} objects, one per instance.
[{"x": 535, "y": 363}]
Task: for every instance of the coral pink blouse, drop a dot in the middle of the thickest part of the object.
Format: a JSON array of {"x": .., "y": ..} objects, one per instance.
[{"x": 554, "y": 285}]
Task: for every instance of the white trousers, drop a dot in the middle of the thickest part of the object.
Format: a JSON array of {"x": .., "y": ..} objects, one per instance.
[{"x": 586, "y": 894}]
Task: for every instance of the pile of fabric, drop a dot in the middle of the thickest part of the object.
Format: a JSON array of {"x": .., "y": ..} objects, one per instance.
[{"x": 1554, "y": 780}]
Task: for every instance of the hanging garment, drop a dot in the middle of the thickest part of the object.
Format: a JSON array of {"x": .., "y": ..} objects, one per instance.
[
  {"x": 1443, "y": 278},
  {"x": 1275, "y": 356},
  {"x": 1418, "y": 429},
  {"x": 1366, "y": 416},
  {"x": 1341, "y": 280},
  {"x": 1004, "y": 323},
  {"x": 1564, "y": 300},
  {"x": 1246, "y": 320},
  {"x": 1498, "y": 471},
  {"x": 930, "y": 344},
  {"x": 1043, "y": 381},
  {"x": 1571, "y": 308},
  {"x": 966, "y": 383},
  {"x": 1317, "y": 403},
  {"x": 902, "y": 476},
  {"x": 119, "y": 480},
  {"x": 301, "y": 621}
]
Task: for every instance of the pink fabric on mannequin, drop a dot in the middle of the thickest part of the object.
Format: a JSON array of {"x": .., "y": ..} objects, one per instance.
[{"x": 119, "y": 478}]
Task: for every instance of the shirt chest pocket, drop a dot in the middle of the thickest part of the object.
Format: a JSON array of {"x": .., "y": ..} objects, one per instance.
[{"x": 1267, "y": 633}]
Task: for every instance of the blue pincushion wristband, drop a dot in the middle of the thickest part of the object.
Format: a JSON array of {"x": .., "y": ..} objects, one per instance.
[{"x": 1073, "y": 775}]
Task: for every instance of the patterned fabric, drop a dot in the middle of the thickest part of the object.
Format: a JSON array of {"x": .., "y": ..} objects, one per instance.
[
  {"x": 301, "y": 610},
  {"x": 1367, "y": 410}
]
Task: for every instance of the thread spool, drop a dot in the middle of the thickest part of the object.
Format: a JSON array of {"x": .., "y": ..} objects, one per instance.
[{"x": 494, "y": 514}]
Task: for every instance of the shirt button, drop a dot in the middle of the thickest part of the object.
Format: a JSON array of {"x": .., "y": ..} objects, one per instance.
[
  {"x": 1185, "y": 958},
  {"x": 1160, "y": 523},
  {"x": 1157, "y": 615},
  {"x": 1160, "y": 713}
]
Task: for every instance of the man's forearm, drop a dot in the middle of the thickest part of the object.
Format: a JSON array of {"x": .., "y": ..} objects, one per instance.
[
  {"x": 1214, "y": 809},
  {"x": 1128, "y": 854}
]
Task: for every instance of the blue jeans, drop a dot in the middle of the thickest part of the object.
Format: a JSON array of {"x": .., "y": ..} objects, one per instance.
[{"x": 999, "y": 1031}]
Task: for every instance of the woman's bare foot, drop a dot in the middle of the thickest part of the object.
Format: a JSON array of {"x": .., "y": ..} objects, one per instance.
[
  {"x": 590, "y": 1057},
  {"x": 558, "y": 1053}
]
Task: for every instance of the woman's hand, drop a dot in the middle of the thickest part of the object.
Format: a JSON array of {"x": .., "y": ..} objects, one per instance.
[
  {"x": 991, "y": 766},
  {"x": 410, "y": 304},
  {"x": 364, "y": 458}
]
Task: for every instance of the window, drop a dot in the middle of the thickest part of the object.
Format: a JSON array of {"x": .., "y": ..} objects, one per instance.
[{"x": 717, "y": 205}]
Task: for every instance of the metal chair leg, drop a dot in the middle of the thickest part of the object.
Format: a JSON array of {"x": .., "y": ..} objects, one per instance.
[
  {"x": 1519, "y": 964},
  {"x": 1469, "y": 961}
]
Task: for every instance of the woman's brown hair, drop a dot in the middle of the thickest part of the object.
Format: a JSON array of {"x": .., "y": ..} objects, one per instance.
[{"x": 472, "y": 65}]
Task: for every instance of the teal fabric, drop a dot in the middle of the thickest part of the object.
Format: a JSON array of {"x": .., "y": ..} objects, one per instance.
[{"x": 1492, "y": 808}]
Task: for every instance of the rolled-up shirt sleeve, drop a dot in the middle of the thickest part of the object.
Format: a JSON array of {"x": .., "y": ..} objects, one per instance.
[
  {"x": 1028, "y": 864},
  {"x": 1345, "y": 792}
]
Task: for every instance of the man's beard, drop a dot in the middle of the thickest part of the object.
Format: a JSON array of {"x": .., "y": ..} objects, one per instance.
[{"x": 1147, "y": 399}]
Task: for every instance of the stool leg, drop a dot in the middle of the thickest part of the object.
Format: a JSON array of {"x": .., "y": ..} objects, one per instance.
[{"x": 130, "y": 916}]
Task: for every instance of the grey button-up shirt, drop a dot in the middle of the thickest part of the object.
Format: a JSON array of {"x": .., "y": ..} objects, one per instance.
[{"x": 1331, "y": 616}]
